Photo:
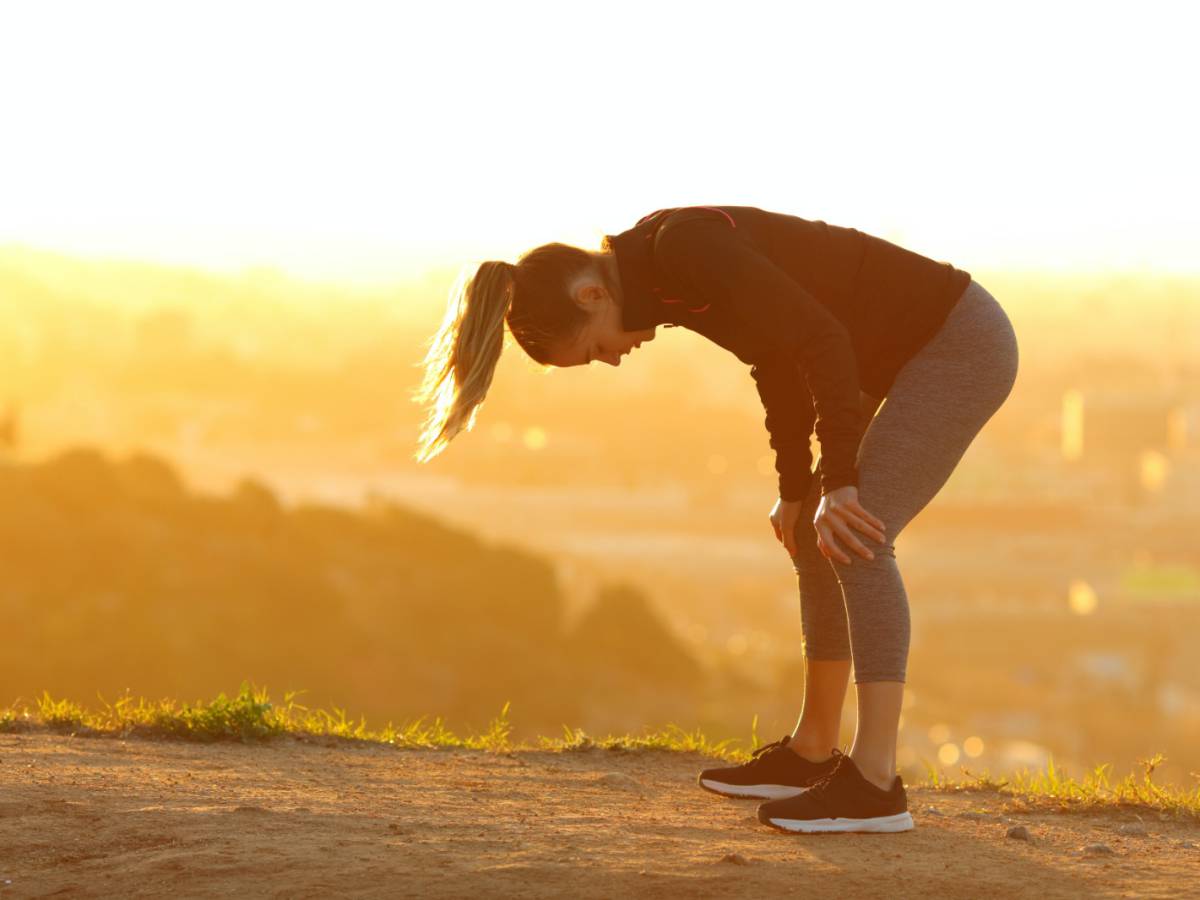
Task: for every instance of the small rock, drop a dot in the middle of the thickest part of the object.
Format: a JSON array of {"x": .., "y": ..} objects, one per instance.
[
  {"x": 978, "y": 816},
  {"x": 1020, "y": 832},
  {"x": 1131, "y": 828},
  {"x": 1098, "y": 850},
  {"x": 618, "y": 780},
  {"x": 1189, "y": 844},
  {"x": 933, "y": 811},
  {"x": 735, "y": 858}
]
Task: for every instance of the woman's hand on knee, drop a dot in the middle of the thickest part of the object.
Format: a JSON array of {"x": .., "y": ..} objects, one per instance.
[
  {"x": 785, "y": 516},
  {"x": 838, "y": 512}
]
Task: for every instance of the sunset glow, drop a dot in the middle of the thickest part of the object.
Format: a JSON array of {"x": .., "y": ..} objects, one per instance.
[{"x": 368, "y": 145}]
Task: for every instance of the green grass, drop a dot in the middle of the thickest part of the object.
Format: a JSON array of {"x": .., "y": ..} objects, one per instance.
[{"x": 250, "y": 716}]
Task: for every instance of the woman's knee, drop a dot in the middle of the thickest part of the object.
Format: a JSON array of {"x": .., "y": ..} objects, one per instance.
[
  {"x": 882, "y": 566},
  {"x": 808, "y": 558}
]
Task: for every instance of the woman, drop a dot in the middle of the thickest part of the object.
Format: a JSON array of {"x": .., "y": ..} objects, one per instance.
[{"x": 832, "y": 322}]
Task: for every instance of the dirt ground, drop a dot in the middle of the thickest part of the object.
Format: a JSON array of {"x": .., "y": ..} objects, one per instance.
[{"x": 88, "y": 816}]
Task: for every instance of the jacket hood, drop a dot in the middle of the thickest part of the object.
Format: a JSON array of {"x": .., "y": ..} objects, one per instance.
[{"x": 644, "y": 291}]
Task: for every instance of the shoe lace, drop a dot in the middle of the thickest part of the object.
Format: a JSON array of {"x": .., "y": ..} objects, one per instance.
[
  {"x": 782, "y": 742},
  {"x": 837, "y": 755},
  {"x": 819, "y": 791}
]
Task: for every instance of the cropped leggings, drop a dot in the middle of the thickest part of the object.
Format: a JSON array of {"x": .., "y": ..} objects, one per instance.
[{"x": 938, "y": 402}]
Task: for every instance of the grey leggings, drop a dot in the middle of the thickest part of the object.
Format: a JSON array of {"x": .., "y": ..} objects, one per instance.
[{"x": 939, "y": 401}]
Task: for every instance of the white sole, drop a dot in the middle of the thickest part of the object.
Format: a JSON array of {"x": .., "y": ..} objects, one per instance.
[
  {"x": 760, "y": 791},
  {"x": 898, "y": 822}
]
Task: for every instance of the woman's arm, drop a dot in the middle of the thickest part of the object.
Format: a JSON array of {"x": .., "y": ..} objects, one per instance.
[
  {"x": 789, "y": 421},
  {"x": 773, "y": 318}
]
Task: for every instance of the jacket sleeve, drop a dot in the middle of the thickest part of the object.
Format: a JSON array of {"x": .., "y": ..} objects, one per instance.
[
  {"x": 778, "y": 321},
  {"x": 789, "y": 422}
]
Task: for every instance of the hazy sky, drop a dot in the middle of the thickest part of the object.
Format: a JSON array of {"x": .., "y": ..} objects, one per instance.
[{"x": 372, "y": 141}]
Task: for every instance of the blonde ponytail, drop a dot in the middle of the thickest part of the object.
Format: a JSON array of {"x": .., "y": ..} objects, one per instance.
[
  {"x": 533, "y": 299},
  {"x": 463, "y": 354}
]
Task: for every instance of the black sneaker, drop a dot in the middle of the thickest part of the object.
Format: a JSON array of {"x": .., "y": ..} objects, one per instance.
[
  {"x": 843, "y": 801},
  {"x": 775, "y": 771}
]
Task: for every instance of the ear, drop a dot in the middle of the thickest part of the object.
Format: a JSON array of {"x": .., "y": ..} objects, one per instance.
[{"x": 591, "y": 295}]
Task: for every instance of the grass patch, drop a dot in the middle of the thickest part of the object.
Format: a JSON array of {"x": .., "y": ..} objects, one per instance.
[
  {"x": 1051, "y": 787},
  {"x": 251, "y": 716}
]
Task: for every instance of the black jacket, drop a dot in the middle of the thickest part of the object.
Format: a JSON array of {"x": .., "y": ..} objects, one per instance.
[{"x": 819, "y": 312}]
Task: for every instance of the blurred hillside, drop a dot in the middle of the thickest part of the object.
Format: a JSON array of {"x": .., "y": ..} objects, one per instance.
[{"x": 115, "y": 575}]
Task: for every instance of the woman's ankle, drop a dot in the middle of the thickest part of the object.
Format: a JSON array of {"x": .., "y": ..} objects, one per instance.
[{"x": 812, "y": 749}]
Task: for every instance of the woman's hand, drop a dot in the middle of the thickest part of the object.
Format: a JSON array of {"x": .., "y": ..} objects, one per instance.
[
  {"x": 837, "y": 513},
  {"x": 784, "y": 517}
]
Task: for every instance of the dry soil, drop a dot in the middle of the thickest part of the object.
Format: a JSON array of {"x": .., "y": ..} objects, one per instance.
[{"x": 104, "y": 816}]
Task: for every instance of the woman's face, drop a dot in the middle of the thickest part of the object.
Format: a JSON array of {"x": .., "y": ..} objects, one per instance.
[{"x": 602, "y": 338}]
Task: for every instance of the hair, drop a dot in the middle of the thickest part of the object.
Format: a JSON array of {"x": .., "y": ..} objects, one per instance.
[{"x": 532, "y": 298}]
